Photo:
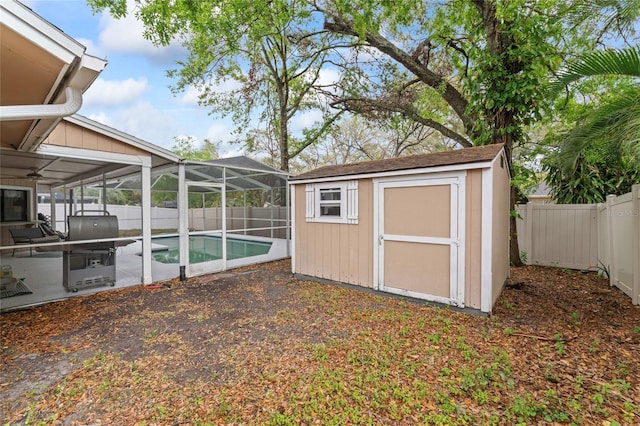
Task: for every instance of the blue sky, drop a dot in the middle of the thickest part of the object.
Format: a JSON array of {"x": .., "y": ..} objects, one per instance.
[{"x": 132, "y": 93}]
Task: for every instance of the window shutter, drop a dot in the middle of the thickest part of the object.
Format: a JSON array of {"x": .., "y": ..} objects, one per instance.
[
  {"x": 352, "y": 202},
  {"x": 310, "y": 202}
]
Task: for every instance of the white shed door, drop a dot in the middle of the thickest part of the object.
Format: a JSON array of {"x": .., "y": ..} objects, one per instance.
[{"x": 420, "y": 227}]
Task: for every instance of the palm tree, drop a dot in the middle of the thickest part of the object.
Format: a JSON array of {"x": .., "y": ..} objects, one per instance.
[{"x": 616, "y": 122}]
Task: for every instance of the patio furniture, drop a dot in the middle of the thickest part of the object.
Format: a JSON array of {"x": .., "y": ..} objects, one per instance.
[
  {"x": 47, "y": 229},
  {"x": 31, "y": 236}
]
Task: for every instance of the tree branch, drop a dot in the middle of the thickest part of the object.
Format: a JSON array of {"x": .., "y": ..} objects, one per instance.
[
  {"x": 352, "y": 104},
  {"x": 450, "y": 94}
]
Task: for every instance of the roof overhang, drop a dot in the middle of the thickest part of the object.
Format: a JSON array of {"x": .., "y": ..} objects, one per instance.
[
  {"x": 40, "y": 66},
  {"x": 459, "y": 159},
  {"x": 405, "y": 172}
]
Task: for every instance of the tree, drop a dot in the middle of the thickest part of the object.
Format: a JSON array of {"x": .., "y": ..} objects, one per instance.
[
  {"x": 185, "y": 147},
  {"x": 599, "y": 153},
  {"x": 258, "y": 50},
  {"x": 616, "y": 121},
  {"x": 482, "y": 62},
  {"x": 487, "y": 60},
  {"x": 594, "y": 173}
]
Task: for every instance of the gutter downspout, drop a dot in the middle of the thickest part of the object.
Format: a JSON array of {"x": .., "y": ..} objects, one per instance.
[{"x": 71, "y": 105}]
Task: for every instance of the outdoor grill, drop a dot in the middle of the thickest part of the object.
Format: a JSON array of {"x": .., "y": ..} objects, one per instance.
[{"x": 91, "y": 264}]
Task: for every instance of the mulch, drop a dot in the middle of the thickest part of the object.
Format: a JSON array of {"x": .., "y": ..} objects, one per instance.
[{"x": 215, "y": 338}]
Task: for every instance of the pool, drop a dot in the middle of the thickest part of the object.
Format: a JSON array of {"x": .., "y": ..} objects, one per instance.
[{"x": 205, "y": 248}]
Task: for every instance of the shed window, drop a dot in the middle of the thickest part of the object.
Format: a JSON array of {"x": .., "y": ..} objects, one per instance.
[{"x": 332, "y": 202}]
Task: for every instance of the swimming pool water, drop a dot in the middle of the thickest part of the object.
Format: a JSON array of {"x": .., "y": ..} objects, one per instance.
[{"x": 205, "y": 248}]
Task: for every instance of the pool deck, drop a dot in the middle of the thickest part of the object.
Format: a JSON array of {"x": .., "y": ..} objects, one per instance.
[{"x": 43, "y": 272}]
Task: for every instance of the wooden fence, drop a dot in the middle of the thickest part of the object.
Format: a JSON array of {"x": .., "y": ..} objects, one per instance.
[{"x": 603, "y": 237}]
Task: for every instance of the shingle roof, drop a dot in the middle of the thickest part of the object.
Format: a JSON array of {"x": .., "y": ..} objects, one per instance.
[{"x": 445, "y": 158}]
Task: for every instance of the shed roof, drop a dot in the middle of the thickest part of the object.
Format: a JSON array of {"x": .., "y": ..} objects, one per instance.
[{"x": 445, "y": 158}]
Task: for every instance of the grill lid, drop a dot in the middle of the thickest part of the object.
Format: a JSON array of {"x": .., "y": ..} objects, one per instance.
[{"x": 92, "y": 227}]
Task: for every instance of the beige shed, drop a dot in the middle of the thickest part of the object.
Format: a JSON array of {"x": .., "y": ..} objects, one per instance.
[{"x": 433, "y": 226}]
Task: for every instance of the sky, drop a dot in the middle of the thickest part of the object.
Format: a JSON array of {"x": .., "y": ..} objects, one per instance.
[{"x": 132, "y": 93}]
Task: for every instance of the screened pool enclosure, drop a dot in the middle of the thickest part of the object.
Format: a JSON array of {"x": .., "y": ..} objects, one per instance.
[
  {"x": 191, "y": 218},
  {"x": 233, "y": 212}
]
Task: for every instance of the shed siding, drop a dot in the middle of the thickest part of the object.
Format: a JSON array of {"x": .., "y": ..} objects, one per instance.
[
  {"x": 500, "y": 231},
  {"x": 74, "y": 136},
  {"x": 473, "y": 238},
  {"x": 336, "y": 251}
]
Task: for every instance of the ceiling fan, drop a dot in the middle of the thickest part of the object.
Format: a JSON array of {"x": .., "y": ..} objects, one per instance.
[{"x": 34, "y": 175}]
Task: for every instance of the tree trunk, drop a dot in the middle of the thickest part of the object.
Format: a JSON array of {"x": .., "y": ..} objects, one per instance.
[
  {"x": 284, "y": 142},
  {"x": 499, "y": 42},
  {"x": 503, "y": 119},
  {"x": 514, "y": 246}
]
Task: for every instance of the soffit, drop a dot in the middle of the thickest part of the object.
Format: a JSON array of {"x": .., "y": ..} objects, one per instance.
[{"x": 28, "y": 76}]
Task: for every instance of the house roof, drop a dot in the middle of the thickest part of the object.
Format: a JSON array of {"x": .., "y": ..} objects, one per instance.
[
  {"x": 445, "y": 158},
  {"x": 541, "y": 190}
]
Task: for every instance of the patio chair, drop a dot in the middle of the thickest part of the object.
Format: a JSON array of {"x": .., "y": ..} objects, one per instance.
[
  {"x": 47, "y": 229},
  {"x": 31, "y": 236}
]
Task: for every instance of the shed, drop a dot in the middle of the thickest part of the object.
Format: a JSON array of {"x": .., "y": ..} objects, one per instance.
[{"x": 432, "y": 226}]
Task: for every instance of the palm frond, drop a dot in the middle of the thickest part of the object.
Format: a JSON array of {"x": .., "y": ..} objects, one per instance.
[
  {"x": 617, "y": 122},
  {"x": 623, "y": 62}
]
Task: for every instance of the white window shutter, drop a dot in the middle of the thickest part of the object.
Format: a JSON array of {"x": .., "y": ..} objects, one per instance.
[
  {"x": 352, "y": 202},
  {"x": 310, "y": 202}
]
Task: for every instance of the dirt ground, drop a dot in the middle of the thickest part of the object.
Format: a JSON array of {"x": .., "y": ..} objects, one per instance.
[{"x": 257, "y": 346}]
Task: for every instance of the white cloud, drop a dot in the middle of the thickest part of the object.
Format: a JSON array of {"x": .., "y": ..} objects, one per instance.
[
  {"x": 126, "y": 36},
  {"x": 329, "y": 76},
  {"x": 305, "y": 120},
  {"x": 234, "y": 150},
  {"x": 115, "y": 92},
  {"x": 220, "y": 132},
  {"x": 101, "y": 117},
  {"x": 144, "y": 121},
  {"x": 92, "y": 48},
  {"x": 192, "y": 94}
]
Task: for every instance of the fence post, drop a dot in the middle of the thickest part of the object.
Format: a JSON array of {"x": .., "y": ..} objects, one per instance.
[
  {"x": 635, "y": 239},
  {"x": 529, "y": 232},
  {"x": 612, "y": 255}
]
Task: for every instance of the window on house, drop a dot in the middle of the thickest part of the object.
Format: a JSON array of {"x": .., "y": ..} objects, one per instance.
[
  {"x": 332, "y": 202},
  {"x": 14, "y": 205}
]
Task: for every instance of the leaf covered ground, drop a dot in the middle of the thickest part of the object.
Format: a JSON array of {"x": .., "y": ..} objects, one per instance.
[{"x": 257, "y": 346}]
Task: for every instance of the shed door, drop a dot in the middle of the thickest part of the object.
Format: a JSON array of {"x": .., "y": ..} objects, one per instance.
[{"x": 420, "y": 227}]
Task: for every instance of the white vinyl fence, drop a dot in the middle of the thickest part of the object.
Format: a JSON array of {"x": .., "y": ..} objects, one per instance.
[
  {"x": 259, "y": 221},
  {"x": 603, "y": 237},
  {"x": 129, "y": 217}
]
